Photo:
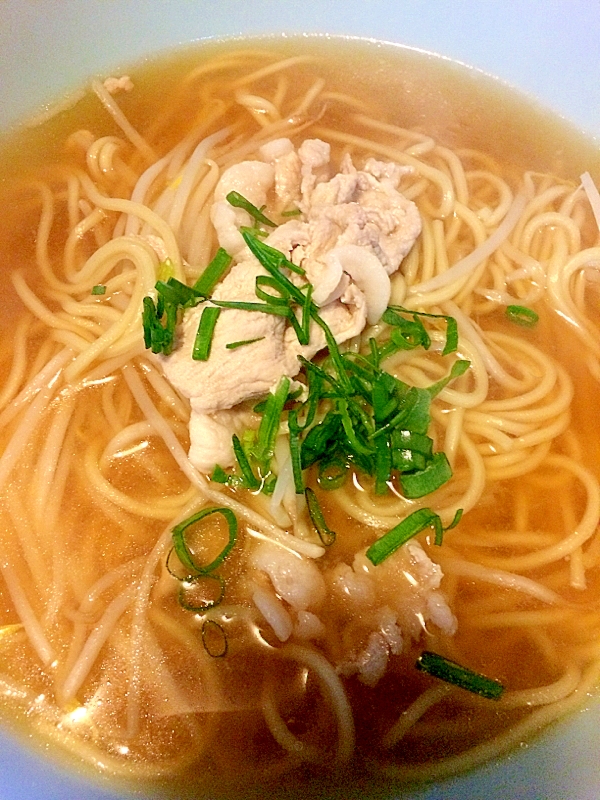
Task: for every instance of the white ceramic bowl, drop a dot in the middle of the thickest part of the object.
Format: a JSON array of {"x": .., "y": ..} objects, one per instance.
[{"x": 548, "y": 48}]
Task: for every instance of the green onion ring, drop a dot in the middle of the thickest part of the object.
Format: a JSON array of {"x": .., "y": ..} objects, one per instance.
[{"x": 183, "y": 551}]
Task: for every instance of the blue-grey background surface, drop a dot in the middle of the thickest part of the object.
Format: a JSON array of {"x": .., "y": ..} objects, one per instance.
[{"x": 550, "y": 50}]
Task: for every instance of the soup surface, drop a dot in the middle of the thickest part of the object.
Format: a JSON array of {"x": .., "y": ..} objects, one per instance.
[{"x": 288, "y": 636}]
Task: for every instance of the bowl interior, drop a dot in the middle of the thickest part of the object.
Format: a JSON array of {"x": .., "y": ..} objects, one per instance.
[{"x": 544, "y": 49}]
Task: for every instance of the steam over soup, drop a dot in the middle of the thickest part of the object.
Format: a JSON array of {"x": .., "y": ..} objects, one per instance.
[{"x": 300, "y": 460}]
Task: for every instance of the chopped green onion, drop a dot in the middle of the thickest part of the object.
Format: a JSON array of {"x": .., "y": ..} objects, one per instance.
[
  {"x": 334, "y": 351},
  {"x": 239, "y": 201},
  {"x": 99, "y": 289},
  {"x": 176, "y": 292},
  {"x": 273, "y": 260},
  {"x": 269, "y": 424},
  {"x": 332, "y": 473},
  {"x": 384, "y": 396},
  {"x": 427, "y": 480},
  {"x": 204, "y": 334},
  {"x": 320, "y": 440},
  {"x": 357, "y": 447},
  {"x": 451, "y": 672},
  {"x": 419, "y": 415},
  {"x": 412, "y": 413},
  {"x": 326, "y": 535},
  {"x": 259, "y": 408},
  {"x": 522, "y": 315},
  {"x": 281, "y": 298},
  {"x": 270, "y": 258},
  {"x": 405, "y": 460},
  {"x": 255, "y": 231},
  {"x": 157, "y": 337},
  {"x": 213, "y": 273},
  {"x": 406, "y": 334},
  {"x": 415, "y": 442},
  {"x": 160, "y": 306},
  {"x": 458, "y": 368},
  {"x": 214, "y": 639},
  {"x": 219, "y": 475},
  {"x": 451, "y": 345},
  {"x": 302, "y": 328},
  {"x": 242, "y": 342},
  {"x": 295, "y": 453},
  {"x": 455, "y": 520},
  {"x": 375, "y": 354},
  {"x": 311, "y": 404},
  {"x": 242, "y": 305},
  {"x": 148, "y": 320},
  {"x": 373, "y": 422},
  {"x": 383, "y": 464},
  {"x": 392, "y": 317},
  {"x": 250, "y": 479},
  {"x": 184, "y": 552},
  {"x": 401, "y": 533},
  {"x": 170, "y": 325}
]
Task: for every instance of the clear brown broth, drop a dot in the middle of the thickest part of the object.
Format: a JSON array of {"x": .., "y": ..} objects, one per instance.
[{"x": 463, "y": 109}]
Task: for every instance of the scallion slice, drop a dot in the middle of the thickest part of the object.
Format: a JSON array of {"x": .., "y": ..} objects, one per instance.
[
  {"x": 394, "y": 316},
  {"x": 522, "y": 315},
  {"x": 149, "y": 320},
  {"x": 158, "y": 337},
  {"x": 99, "y": 289},
  {"x": 456, "y": 519},
  {"x": 302, "y": 328},
  {"x": 400, "y": 534},
  {"x": 184, "y": 552},
  {"x": 213, "y": 273},
  {"x": 243, "y": 342},
  {"x": 416, "y": 442},
  {"x": 383, "y": 464},
  {"x": 295, "y": 453},
  {"x": 451, "y": 672},
  {"x": 265, "y": 308},
  {"x": 435, "y": 474},
  {"x": 406, "y": 334},
  {"x": 219, "y": 475},
  {"x": 326, "y": 535},
  {"x": 239, "y": 201},
  {"x": 334, "y": 351},
  {"x": 270, "y": 258},
  {"x": 357, "y": 446},
  {"x": 204, "y": 334},
  {"x": 269, "y": 424},
  {"x": 458, "y": 368},
  {"x": 249, "y": 478},
  {"x": 281, "y": 298},
  {"x": 321, "y": 440},
  {"x": 176, "y": 292},
  {"x": 332, "y": 473}
]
